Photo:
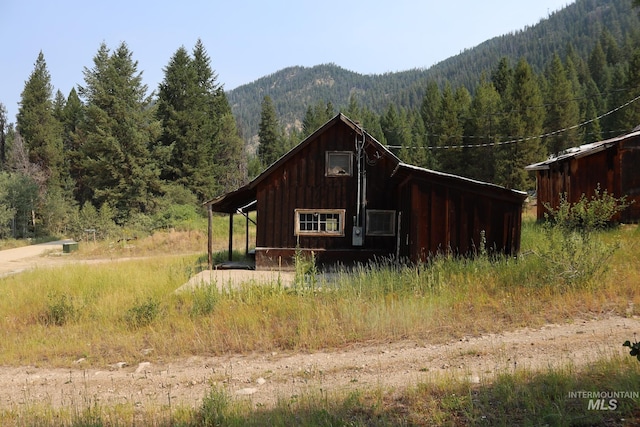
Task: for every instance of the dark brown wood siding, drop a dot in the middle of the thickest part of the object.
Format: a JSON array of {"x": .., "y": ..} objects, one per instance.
[
  {"x": 614, "y": 169},
  {"x": 300, "y": 183},
  {"x": 449, "y": 219}
]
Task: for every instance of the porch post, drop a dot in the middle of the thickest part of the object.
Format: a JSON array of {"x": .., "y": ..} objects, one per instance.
[
  {"x": 246, "y": 235},
  {"x": 231, "y": 237}
]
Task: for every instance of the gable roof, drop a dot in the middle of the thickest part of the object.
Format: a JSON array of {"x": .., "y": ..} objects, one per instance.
[
  {"x": 243, "y": 196},
  {"x": 580, "y": 151}
]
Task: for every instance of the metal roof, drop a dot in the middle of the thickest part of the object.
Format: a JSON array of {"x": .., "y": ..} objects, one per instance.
[
  {"x": 472, "y": 185},
  {"x": 580, "y": 151}
]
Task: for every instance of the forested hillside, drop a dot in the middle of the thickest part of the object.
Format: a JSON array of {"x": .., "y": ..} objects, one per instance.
[
  {"x": 109, "y": 156},
  {"x": 579, "y": 25}
]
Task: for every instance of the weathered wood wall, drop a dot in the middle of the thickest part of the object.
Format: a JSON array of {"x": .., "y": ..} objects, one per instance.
[
  {"x": 451, "y": 218},
  {"x": 300, "y": 183},
  {"x": 615, "y": 169}
]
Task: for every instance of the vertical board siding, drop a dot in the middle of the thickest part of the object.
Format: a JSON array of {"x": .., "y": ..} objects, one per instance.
[{"x": 614, "y": 169}]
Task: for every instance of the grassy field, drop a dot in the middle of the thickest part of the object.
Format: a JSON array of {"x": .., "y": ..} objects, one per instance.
[{"x": 109, "y": 311}]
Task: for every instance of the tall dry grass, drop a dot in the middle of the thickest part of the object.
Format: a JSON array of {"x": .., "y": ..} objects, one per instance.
[{"x": 106, "y": 312}]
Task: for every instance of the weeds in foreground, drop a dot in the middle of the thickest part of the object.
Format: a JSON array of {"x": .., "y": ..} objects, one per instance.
[
  {"x": 131, "y": 305},
  {"x": 555, "y": 397}
]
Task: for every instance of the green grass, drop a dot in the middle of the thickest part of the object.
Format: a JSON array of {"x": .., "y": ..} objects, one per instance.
[{"x": 114, "y": 310}]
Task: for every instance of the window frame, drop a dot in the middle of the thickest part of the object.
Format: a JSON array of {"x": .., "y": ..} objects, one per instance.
[
  {"x": 339, "y": 232},
  {"x": 391, "y": 213},
  {"x": 327, "y": 163}
]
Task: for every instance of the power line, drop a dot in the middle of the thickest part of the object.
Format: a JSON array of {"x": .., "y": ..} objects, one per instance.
[{"x": 516, "y": 140}]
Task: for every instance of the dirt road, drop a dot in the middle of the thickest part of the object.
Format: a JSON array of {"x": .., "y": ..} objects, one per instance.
[
  {"x": 20, "y": 259},
  {"x": 267, "y": 378}
]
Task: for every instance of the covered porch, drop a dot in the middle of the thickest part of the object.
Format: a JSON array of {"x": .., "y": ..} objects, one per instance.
[{"x": 239, "y": 202}]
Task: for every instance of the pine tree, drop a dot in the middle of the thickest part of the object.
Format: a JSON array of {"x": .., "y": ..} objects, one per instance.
[
  {"x": 502, "y": 77},
  {"x": 450, "y": 130},
  {"x": 598, "y": 68},
  {"x": 397, "y": 131},
  {"x": 316, "y": 116},
  {"x": 631, "y": 114},
  {"x": 562, "y": 113},
  {"x": 37, "y": 125},
  {"x": 430, "y": 112},
  {"x": 522, "y": 125},
  {"x": 118, "y": 130},
  {"x": 482, "y": 129},
  {"x": 421, "y": 155},
  {"x": 271, "y": 146},
  {"x": 204, "y": 149}
]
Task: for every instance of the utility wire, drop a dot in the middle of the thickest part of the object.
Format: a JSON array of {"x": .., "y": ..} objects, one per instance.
[{"x": 516, "y": 140}]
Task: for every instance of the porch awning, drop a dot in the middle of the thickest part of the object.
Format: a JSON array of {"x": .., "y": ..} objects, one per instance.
[{"x": 233, "y": 201}]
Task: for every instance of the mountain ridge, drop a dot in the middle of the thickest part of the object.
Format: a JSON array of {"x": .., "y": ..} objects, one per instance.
[{"x": 295, "y": 88}]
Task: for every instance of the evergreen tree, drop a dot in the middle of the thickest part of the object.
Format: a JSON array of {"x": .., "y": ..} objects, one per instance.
[
  {"x": 522, "y": 126},
  {"x": 450, "y": 155},
  {"x": 630, "y": 116},
  {"x": 271, "y": 146},
  {"x": 598, "y": 68},
  {"x": 397, "y": 132},
  {"x": 118, "y": 130},
  {"x": 617, "y": 123},
  {"x": 72, "y": 118},
  {"x": 430, "y": 112},
  {"x": 482, "y": 130},
  {"x": 562, "y": 108},
  {"x": 204, "y": 150},
  {"x": 231, "y": 158},
  {"x": 315, "y": 117},
  {"x": 502, "y": 77},
  {"x": 421, "y": 155},
  {"x": 37, "y": 125}
]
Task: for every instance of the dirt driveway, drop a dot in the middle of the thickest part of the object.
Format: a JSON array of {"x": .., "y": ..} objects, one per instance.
[
  {"x": 20, "y": 259},
  {"x": 266, "y": 378}
]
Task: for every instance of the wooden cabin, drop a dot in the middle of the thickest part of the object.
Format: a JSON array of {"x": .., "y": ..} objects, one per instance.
[
  {"x": 347, "y": 198},
  {"x": 611, "y": 165}
]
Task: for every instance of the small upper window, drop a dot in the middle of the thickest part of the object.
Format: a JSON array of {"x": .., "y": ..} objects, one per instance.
[
  {"x": 339, "y": 163},
  {"x": 381, "y": 222}
]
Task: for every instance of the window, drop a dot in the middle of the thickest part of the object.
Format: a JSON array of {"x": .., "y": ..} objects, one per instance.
[
  {"x": 381, "y": 223},
  {"x": 339, "y": 163},
  {"x": 323, "y": 222}
]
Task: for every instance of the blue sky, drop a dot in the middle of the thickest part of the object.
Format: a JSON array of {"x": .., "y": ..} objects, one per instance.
[{"x": 248, "y": 39}]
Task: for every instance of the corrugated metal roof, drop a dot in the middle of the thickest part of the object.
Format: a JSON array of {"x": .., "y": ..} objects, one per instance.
[
  {"x": 468, "y": 183},
  {"x": 580, "y": 151}
]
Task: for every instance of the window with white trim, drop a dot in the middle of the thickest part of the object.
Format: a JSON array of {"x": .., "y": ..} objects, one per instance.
[
  {"x": 381, "y": 222},
  {"x": 339, "y": 163},
  {"x": 320, "y": 222}
]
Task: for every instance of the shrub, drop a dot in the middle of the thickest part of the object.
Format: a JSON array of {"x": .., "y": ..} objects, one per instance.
[
  {"x": 572, "y": 256},
  {"x": 204, "y": 300},
  {"x": 587, "y": 214},
  {"x": 59, "y": 311},
  {"x": 142, "y": 313}
]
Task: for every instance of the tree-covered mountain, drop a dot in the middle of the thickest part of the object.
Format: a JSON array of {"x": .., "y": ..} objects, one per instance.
[{"x": 579, "y": 26}]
